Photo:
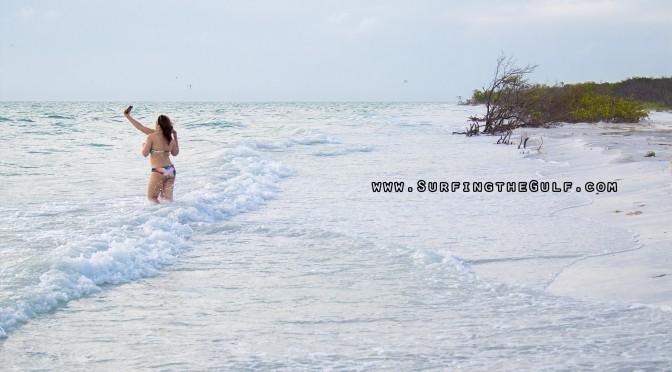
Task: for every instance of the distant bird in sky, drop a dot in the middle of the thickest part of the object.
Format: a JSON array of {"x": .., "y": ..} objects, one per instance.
[
  {"x": 189, "y": 86},
  {"x": 405, "y": 81}
]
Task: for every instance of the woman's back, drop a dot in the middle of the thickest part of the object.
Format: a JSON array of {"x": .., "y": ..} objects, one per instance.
[{"x": 159, "y": 150}]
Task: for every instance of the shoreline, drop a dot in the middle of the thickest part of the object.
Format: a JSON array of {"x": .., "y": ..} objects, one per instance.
[{"x": 643, "y": 205}]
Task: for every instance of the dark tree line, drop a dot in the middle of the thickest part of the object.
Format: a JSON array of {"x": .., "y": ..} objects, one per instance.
[{"x": 656, "y": 91}]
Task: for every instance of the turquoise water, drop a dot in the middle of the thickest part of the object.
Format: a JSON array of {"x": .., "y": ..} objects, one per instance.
[{"x": 277, "y": 254}]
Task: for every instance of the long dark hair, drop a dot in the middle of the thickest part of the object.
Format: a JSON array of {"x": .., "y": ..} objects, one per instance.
[{"x": 166, "y": 127}]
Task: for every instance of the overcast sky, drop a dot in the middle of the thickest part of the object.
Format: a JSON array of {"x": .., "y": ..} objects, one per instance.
[{"x": 318, "y": 50}]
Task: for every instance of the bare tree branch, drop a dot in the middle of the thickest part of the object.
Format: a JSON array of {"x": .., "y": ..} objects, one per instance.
[{"x": 504, "y": 99}]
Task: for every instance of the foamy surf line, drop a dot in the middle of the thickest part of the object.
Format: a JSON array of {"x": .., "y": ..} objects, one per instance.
[{"x": 123, "y": 240}]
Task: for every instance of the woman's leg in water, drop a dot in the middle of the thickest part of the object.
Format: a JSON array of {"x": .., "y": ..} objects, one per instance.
[
  {"x": 167, "y": 189},
  {"x": 154, "y": 186}
]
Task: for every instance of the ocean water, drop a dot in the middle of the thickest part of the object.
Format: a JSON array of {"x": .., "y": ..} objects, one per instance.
[{"x": 278, "y": 255}]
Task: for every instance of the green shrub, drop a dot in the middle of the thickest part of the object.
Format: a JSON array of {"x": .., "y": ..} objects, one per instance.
[
  {"x": 594, "y": 107},
  {"x": 572, "y": 103}
]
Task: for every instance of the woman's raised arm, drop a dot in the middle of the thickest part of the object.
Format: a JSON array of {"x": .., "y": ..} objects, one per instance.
[{"x": 136, "y": 124}]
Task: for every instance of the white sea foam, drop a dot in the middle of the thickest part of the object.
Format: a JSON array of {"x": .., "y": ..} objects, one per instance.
[
  {"x": 122, "y": 241},
  {"x": 344, "y": 151}
]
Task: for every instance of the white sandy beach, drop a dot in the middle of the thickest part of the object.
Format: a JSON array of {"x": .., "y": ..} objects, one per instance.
[{"x": 642, "y": 204}]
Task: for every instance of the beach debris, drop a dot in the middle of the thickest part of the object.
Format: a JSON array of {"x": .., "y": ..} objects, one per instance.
[
  {"x": 524, "y": 137},
  {"x": 523, "y": 140},
  {"x": 635, "y": 213},
  {"x": 505, "y": 138},
  {"x": 618, "y": 211},
  {"x": 649, "y": 154}
]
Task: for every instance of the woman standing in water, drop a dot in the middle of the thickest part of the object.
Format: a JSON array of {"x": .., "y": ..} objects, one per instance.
[{"x": 161, "y": 142}]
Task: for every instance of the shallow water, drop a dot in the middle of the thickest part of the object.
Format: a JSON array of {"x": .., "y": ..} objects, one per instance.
[{"x": 277, "y": 254}]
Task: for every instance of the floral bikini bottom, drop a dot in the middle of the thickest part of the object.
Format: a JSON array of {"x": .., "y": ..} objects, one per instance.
[{"x": 167, "y": 171}]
